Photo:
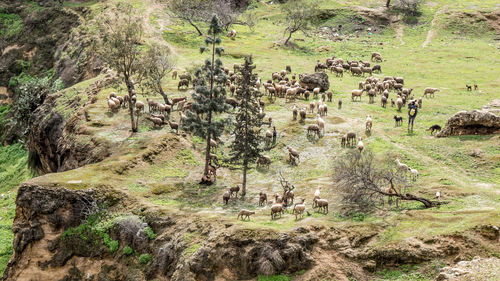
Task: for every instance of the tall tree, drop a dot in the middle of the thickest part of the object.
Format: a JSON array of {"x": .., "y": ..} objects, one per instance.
[
  {"x": 119, "y": 47},
  {"x": 298, "y": 14},
  {"x": 388, "y": 3},
  {"x": 157, "y": 63},
  {"x": 247, "y": 134},
  {"x": 209, "y": 98}
]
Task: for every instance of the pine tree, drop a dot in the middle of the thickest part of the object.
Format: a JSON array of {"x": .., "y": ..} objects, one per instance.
[
  {"x": 209, "y": 98},
  {"x": 247, "y": 133}
]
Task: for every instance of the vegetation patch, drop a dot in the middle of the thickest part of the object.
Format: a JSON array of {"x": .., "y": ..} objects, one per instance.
[{"x": 10, "y": 24}]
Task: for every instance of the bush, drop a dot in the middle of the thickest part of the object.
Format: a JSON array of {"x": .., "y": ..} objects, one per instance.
[
  {"x": 410, "y": 10},
  {"x": 127, "y": 250},
  {"x": 145, "y": 258},
  {"x": 150, "y": 233}
]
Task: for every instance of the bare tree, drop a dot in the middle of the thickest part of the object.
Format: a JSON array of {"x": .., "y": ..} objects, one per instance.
[
  {"x": 119, "y": 47},
  {"x": 364, "y": 182},
  {"x": 287, "y": 189},
  {"x": 157, "y": 63},
  {"x": 388, "y": 3},
  {"x": 299, "y": 14}
]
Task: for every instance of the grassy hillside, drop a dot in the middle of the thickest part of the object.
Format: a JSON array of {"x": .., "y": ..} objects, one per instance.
[{"x": 436, "y": 52}]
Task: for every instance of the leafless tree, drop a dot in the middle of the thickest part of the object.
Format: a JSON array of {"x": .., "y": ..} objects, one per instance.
[
  {"x": 157, "y": 63},
  {"x": 364, "y": 182},
  {"x": 299, "y": 14},
  {"x": 287, "y": 189}
]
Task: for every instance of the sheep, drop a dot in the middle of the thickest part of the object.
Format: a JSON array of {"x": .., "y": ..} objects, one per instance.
[
  {"x": 116, "y": 101},
  {"x": 316, "y": 92},
  {"x": 156, "y": 121},
  {"x": 476, "y": 87},
  {"x": 177, "y": 100},
  {"x": 414, "y": 173},
  {"x": 185, "y": 76},
  {"x": 419, "y": 102},
  {"x": 321, "y": 204},
  {"x": 375, "y": 54},
  {"x": 269, "y": 137},
  {"x": 430, "y": 91},
  {"x": 232, "y": 102},
  {"x": 398, "y": 120},
  {"x": 226, "y": 196},
  {"x": 294, "y": 154},
  {"x": 245, "y": 213},
  {"x": 139, "y": 106},
  {"x": 340, "y": 103},
  {"x": 321, "y": 123},
  {"x": 174, "y": 126},
  {"x": 112, "y": 95},
  {"x": 351, "y": 138},
  {"x": 263, "y": 160},
  {"x": 401, "y": 166},
  {"x": 378, "y": 58},
  {"x": 302, "y": 114},
  {"x": 339, "y": 71},
  {"x": 317, "y": 193},
  {"x": 182, "y": 118},
  {"x": 126, "y": 100},
  {"x": 213, "y": 145},
  {"x": 383, "y": 101},
  {"x": 361, "y": 145},
  {"x": 262, "y": 198},
  {"x": 295, "y": 112},
  {"x": 438, "y": 196},
  {"x": 232, "y": 34},
  {"x": 312, "y": 105},
  {"x": 299, "y": 209},
  {"x": 275, "y": 209},
  {"x": 278, "y": 198},
  {"x": 112, "y": 105},
  {"x": 356, "y": 94},
  {"x": 366, "y": 70},
  {"x": 288, "y": 69},
  {"x": 393, "y": 103},
  {"x": 183, "y": 83},
  {"x": 313, "y": 128},
  {"x": 368, "y": 123},
  {"x": 399, "y": 102},
  {"x": 377, "y": 68},
  {"x": 356, "y": 71},
  {"x": 330, "y": 95},
  {"x": 343, "y": 141},
  {"x": 235, "y": 190},
  {"x": 174, "y": 74}
]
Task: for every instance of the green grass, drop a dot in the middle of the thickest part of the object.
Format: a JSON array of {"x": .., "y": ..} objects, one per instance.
[
  {"x": 10, "y": 24},
  {"x": 145, "y": 258},
  {"x": 281, "y": 277}
]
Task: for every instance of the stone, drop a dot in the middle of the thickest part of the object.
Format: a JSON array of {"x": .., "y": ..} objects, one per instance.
[
  {"x": 315, "y": 80},
  {"x": 475, "y": 122}
]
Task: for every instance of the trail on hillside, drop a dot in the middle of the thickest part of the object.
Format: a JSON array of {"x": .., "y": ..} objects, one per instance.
[
  {"x": 155, "y": 33},
  {"x": 400, "y": 32},
  {"x": 433, "y": 31}
]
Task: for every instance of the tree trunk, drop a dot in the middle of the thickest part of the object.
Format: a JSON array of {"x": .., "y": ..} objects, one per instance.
[
  {"x": 164, "y": 95},
  {"x": 196, "y": 27},
  {"x": 209, "y": 121},
  {"x": 130, "y": 88},
  {"x": 244, "y": 188},
  {"x": 288, "y": 39},
  {"x": 388, "y": 3}
]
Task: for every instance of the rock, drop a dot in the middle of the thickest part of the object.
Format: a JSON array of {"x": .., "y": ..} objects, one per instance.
[
  {"x": 315, "y": 80},
  {"x": 476, "y": 152},
  {"x": 476, "y": 269},
  {"x": 476, "y": 122}
]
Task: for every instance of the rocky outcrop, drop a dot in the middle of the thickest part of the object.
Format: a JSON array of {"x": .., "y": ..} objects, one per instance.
[
  {"x": 476, "y": 122},
  {"x": 315, "y": 80},
  {"x": 476, "y": 269},
  {"x": 56, "y": 142}
]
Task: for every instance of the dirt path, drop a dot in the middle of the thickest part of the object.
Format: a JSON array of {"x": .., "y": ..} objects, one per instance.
[
  {"x": 433, "y": 31},
  {"x": 153, "y": 32},
  {"x": 400, "y": 32}
]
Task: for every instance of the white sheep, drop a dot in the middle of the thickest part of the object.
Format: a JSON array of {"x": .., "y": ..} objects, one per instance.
[
  {"x": 361, "y": 145},
  {"x": 401, "y": 166},
  {"x": 414, "y": 173},
  {"x": 321, "y": 123},
  {"x": 368, "y": 123}
]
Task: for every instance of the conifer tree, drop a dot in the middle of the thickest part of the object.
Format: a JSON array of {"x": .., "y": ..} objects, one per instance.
[
  {"x": 247, "y": 133},
  {"x": 209, "y": 98}
]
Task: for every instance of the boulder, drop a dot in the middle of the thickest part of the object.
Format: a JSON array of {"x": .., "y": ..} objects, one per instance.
[
  {"x": 315, "y": 80},
  {"x": 475, "y": 122}
]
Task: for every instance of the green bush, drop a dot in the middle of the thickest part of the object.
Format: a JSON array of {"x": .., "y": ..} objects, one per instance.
[
  {"x": 150, "y": 233},
  {"x": 127, "y": 250},
  {"x": 145, "y": 258}
]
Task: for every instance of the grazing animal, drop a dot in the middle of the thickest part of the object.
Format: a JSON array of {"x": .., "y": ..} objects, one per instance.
[
  {"x": 321, "y": 123},
  {"x": 156, "y": 121},
  {"x": 377, "y": 68},
  {"x": 392, "y": 103},
  {"x": 302, "y": 114},
  {"x": 139, "y": 106},
  {"x": 434, "y": 128},
  {"x": 469, "y": 88},
  {"x": 288, "y": 69},
  {"x": 183, "y": 83},
  {"x": 343, "y": 141},
  {"x": 401, "y": 166},
  {"x": 112, "y": 105},
  {"x": 329, "y": 94},
  {"x": 262, "y": 198},
  {"x": 232, "y": 34},
  {"x": 174, "y": 126},
  {"x": 321, "y": 204},
  {"x": 226, "y": 196},
  {"x": 245, "y": 213},
  {"x": 174, "y": 74},
  {"x": 413, "y": 173},
  {"x": 340, "y": 103},
  {"x": 438, "y": 195},
  {"x": 264, "y": 161},
  {"x": 398, "y": 120},
  {"x": 361, "y": 145},
  {"x": 294, "y": 154},
  {"x": 351, "y": 138},
  {"x": 295, "y": 112},
  {"x": 383, "y": 101},
  {"x": 299, "y": 209},
  {"x": 476, "y": 87},
  {"x": 235, "y": 190},
  {"x": 430, "y": 91},
  {"x": 368, "y": 123},
  {"x": 314, "y": 129},
  {"x": 356, "y": 94},
  {"x": 317, "y": 193},
  {"x": 399, "y": 102},
  {"x": 276, "y": 209}
]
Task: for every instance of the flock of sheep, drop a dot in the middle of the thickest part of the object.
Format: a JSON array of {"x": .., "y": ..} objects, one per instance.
[{"x": 289, "y": 88}]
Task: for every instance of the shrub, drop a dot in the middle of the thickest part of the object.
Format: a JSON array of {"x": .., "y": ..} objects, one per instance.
[
  {"x": 128, "y": 250},
  {"x": 150, "y": 233},
  {"x": 280, "y": 277},
  {"x": 145, "y": 258}
]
